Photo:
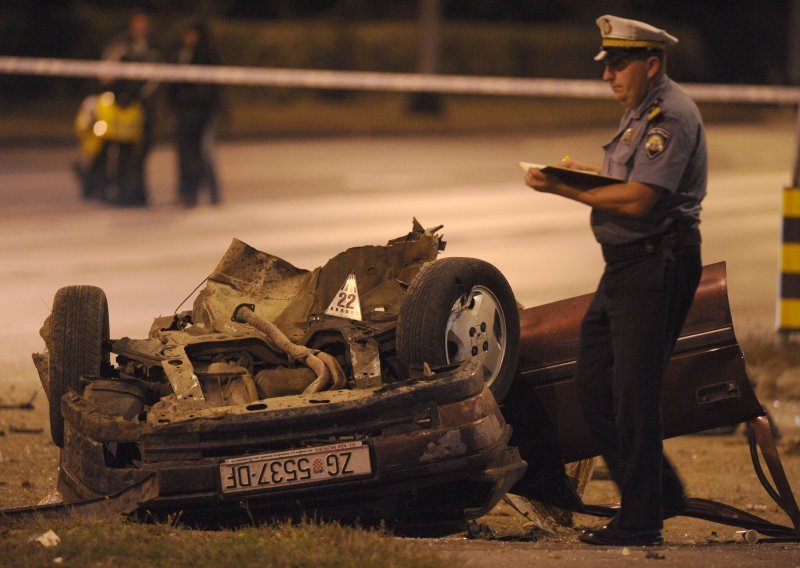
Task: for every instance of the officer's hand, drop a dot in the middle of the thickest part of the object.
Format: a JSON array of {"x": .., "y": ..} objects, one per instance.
[{"x": 540, "y": 181}]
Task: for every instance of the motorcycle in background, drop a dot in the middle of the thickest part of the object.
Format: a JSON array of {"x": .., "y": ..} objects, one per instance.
[{"x": 110, "y": 128}]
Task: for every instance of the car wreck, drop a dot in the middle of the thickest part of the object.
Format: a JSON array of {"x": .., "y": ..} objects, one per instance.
[
  {"x": 388, "y": 385},
  {"x": 286, "y": 391}
]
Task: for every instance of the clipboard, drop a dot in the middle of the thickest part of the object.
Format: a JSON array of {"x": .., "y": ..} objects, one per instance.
[{"x": 579, "y": 178}]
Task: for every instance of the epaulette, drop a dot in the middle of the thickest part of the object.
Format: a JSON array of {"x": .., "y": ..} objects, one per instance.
[{"x": 655, "y": 113}]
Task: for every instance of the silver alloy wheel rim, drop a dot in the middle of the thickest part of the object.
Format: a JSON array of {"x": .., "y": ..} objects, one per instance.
[{"x": 476, "y": 328}]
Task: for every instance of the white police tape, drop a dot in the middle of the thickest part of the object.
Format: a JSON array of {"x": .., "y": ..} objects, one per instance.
[{"x": 372, "y": 81}]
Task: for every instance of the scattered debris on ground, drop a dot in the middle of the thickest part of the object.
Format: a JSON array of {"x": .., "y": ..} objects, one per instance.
[{"x": 47, "y": 539}]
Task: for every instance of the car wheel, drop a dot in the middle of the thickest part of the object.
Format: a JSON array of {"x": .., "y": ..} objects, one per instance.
[
  {"x": 458, "y": 309},
  {"x": 78, "y": 330}
]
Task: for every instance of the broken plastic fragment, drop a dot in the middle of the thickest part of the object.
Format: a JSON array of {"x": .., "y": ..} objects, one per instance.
[
  {"x": 48, "y": 539},
  {"x": 52, "y": 498}
]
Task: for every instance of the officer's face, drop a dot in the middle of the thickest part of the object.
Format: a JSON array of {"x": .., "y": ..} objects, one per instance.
[{"x": 630, "y": 79}]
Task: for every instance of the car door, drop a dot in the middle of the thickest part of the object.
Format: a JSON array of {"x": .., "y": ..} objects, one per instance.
[{"x": 706, "y": 385}]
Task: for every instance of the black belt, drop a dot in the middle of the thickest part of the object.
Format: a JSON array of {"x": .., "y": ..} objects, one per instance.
[{"x": 673, "y": 238}]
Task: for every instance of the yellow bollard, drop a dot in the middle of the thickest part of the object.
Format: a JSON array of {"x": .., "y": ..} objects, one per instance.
[{"x": 789, "y": 298}]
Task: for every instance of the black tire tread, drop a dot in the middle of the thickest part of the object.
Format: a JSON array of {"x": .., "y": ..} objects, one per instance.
[
  {"x": 79, "y": 324},
  {"x": 424, "y": 313},
  {"x": 417, "y": 331}
]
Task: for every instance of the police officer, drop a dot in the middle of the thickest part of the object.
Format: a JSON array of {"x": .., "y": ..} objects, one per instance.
[
  {"x": 647, "y": 226},
  {"x": 196, "y": 106}
]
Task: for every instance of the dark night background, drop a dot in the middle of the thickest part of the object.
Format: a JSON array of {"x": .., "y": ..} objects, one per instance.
[
  {"x": 744, "y": 42},
  {"x": 720, "y": 42}
]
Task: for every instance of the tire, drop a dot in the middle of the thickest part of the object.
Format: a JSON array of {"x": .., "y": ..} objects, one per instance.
[
  {"x": 78, "y": 330},
  {"x": 457, "y": 309}
]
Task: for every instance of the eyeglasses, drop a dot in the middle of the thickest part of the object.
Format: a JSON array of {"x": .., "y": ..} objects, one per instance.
[{"x": 618, "y": 64}]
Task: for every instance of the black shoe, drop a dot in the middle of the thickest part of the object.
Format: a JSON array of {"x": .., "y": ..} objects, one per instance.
[{"x": 611, "y": 536}]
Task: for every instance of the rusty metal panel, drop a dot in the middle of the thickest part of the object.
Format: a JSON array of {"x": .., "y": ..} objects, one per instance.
[
  {"x": 705, "y": 386},
  {"x": 549, "y": 333}
]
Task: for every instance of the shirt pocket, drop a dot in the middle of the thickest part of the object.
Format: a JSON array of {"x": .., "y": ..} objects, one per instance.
[{"x": 619, "y": 157}]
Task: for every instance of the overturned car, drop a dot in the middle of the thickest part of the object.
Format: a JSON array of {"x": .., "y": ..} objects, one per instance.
[
  {"x": 381, "y": 386},
  {"x": 363, "y": 389}
]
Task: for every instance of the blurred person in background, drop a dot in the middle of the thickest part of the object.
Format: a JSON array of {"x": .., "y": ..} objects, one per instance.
[
  {"x": 196, "y": 106},
  {"x": 135, "y": 45}
]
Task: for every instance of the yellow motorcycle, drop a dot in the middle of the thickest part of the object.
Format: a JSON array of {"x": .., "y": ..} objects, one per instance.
[{"x": 110, "y": 131}]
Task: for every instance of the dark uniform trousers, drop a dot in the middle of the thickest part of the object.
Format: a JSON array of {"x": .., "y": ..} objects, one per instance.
[
  {"x": 191, "y": 124},
  {"x": 621, "y": 363}
]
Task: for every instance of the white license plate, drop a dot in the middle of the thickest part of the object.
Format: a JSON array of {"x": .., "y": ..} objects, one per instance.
[{"x": 295, "y": 467}]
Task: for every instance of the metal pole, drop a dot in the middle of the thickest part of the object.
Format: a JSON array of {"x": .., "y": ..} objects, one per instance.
[{"x": 429, "y": 34}]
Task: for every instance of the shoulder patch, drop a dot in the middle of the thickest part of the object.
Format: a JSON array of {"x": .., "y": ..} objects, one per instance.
[{"x": 655, "y": 141}]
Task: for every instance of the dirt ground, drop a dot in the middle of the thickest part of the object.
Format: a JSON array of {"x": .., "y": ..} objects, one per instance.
[{"x": 716, "y": 467}]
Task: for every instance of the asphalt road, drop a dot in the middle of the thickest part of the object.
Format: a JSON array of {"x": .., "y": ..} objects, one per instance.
[{"x": 307, "y": 200}]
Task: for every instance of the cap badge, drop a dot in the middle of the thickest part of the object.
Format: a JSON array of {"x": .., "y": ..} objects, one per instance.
[{"x": 606, "y": 27}]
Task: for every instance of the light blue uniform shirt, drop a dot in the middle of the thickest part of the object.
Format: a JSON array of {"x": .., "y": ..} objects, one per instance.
[{"x": 660, "y": 143}]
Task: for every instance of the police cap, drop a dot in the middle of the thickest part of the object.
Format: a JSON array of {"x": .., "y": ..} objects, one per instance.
[{"x": 621, "y": 35}]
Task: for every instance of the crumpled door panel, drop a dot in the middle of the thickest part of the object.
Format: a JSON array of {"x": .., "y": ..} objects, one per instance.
[{"x": 706, "y": 385}]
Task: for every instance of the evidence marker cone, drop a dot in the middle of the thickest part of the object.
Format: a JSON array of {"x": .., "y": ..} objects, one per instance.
[{"x": 346, "y": 304}]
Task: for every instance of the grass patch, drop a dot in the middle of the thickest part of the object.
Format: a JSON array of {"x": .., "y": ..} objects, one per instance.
[{"x": 120, "y": 543}]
